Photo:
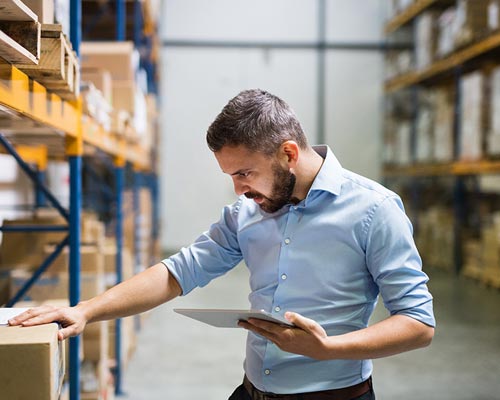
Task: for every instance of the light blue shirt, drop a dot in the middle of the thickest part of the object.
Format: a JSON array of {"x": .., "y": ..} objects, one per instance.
[{"x": 327, "y": 258}]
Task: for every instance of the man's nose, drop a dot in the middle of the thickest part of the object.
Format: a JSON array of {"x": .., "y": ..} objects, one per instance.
[{"x": 240, "y": 188}]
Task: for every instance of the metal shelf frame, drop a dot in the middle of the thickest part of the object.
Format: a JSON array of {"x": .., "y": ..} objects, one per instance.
[{"x": 59, "y": 126}]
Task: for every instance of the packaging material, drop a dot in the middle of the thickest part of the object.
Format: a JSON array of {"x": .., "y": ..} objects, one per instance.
[
  {"x": 472, "y": 117},
  {"x": 443, "y": 125},
  {"x": 31, "y": 362},
  {"x": 425, "y": 126},
  {"x": 471, "y": 21},
  {"x": 102, "y": 80},
  {"x": 446, "y": 32},
  {"x": 493, "y": 142},
  {"x": 404, "y": 143},
  {"x": 494, "y": 15},
  {"x": 58, "y": 181},
  {"x": 44, "y": 9},
  {"x": 425, "y": 39},
  {"x": 26, "y": 249},
  {"x": 119, "y": 58}
]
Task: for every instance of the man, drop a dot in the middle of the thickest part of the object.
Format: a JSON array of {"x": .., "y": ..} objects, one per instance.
[{"x": 320, "y": 243}]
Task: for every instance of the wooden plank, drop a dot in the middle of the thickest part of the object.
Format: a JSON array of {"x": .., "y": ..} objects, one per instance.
[
  {"x": 58, "y": 69},
  {"x": 13, "y": 52},
  {"x": 407, "y": 15},
  {"x": 27, "y": 34},
  {"x": 16, "y": 10}
]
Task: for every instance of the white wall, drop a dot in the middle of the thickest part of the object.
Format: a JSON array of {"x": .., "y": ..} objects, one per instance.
[{"x": 198, "y": 82}]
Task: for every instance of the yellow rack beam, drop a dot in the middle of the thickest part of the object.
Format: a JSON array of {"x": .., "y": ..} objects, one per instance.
[
  {"x": 450, "y": 169},
  {"x": 20, "y": 95},
  {"x": 407, "y": 15},
  {"x": 29, "y": 98},
  {"x": 445, "y": 65}
]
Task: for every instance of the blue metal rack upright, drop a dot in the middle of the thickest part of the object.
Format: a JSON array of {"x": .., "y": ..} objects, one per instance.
[{"x": 120, "y": 183}]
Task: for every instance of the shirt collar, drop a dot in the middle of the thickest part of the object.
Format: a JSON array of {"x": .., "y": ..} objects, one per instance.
[{"x": 329, "y": 177}]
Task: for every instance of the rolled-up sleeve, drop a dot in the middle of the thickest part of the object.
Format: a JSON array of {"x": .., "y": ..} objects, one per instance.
[
  {"x": 213, "y": 254},
  {"x": 395, "y": 264}
]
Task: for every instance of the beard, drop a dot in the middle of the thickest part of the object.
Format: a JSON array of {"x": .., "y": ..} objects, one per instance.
[{"x": 281, "y": 194}]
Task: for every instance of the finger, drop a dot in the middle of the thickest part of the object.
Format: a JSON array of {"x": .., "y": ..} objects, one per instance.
[
  {"x": 52, "y": 316},
  {"x": 255, "y": 329},
  {"x": 28, "y": 314},
  {"x": 67, "y": 332}
]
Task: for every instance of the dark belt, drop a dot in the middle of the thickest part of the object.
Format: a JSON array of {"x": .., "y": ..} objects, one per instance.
[{"x": 347, "y": 393}]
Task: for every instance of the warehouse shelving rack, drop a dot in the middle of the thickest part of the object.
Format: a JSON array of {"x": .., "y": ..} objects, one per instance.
[
  {"x": 44, "y": 126},
  {"x": 450, "y": 68}
]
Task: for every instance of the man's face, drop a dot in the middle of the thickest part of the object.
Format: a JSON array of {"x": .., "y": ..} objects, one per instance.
[{"x": 258, "y": 177}]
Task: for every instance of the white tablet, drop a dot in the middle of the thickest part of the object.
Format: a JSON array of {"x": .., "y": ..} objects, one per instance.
[{"x": 229, "y": 318}]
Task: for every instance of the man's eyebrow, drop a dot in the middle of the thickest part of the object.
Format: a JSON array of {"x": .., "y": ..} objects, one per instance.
[{"x": 240, "y": 171}]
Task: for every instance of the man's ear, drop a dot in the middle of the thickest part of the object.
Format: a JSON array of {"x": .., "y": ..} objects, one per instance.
[{"x": 290, "y": 152}]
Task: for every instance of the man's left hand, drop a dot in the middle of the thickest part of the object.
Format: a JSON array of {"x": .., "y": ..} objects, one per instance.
[{"x": 307, "y": 337}]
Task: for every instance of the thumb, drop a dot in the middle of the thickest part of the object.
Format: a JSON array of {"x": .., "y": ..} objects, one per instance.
[
  {"x": 306, "y": 324},
  {"x": 300, "y": 321}
]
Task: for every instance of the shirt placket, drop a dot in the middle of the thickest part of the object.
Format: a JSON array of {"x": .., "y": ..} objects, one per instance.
[{"x": 279, "y": 298}]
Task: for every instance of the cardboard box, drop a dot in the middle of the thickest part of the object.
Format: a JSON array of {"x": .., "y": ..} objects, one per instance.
[
  {"x": 26, "y": 249},
  {"x": 472, "y": 21},
  {"x": 119, "y": 58},
  {"x": 124, "y": 93},
  {"x": 426, "y": 34},
  {"x": 55, "y": 285},
  {"x": 95, "y": 341},
  {"x": 443, "y": 125},
  {"x": 31, "y": 362},
  {"x": 102, "y": 80},
  {"x": 472, "y": 117},
  {"x": 91, "y": 259}
]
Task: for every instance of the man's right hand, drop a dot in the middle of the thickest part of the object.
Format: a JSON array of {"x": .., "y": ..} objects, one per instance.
[{"x": 71, "y": 319}]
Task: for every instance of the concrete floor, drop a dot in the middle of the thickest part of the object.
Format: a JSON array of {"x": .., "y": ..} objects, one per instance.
[{"x": 181, "y": 359}]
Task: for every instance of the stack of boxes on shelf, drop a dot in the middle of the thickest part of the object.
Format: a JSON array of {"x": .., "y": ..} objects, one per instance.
[
  {"x": 448, "y": 111},
  {"x": 113, "y": 69},
  {"x": 22, "y": 253},
  {"x": 482, "y": 255},
  {"x": 438, "y": 34}
]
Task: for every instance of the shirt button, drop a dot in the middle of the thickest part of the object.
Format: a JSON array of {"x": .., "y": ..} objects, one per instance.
[
  {"x": 283, "y": 276},
  {"x": 277, "y": 308},
  {"x": 287, "y": 241},
  {"x": 267, "y": 372}
]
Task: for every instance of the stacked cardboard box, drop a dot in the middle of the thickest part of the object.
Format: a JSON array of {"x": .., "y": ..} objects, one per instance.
[
  {"x": 435, "y": 237},
  {"x": 443, "y": 125},
  {"x": 425, "y": 39},
  {"x": 493, "y": 142},
  {"x": 472, "y": 21},
  {"x": 473, "y": 116},
  {"x": 121, "y": 60},
  {"x": 31, "y": 362}
]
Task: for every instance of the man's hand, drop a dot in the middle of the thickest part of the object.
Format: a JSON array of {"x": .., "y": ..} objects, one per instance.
[
  {"x": 307, "y": 337},
  {"x": 72, "y": 319}
]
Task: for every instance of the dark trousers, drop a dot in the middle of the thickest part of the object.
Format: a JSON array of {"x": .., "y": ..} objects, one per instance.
[{"x": 242, "y": 394}]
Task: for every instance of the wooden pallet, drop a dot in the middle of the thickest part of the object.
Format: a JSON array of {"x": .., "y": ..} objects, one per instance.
[
  {"x": 19, "y": 33},
  {"x": 58, "y": 68}
]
